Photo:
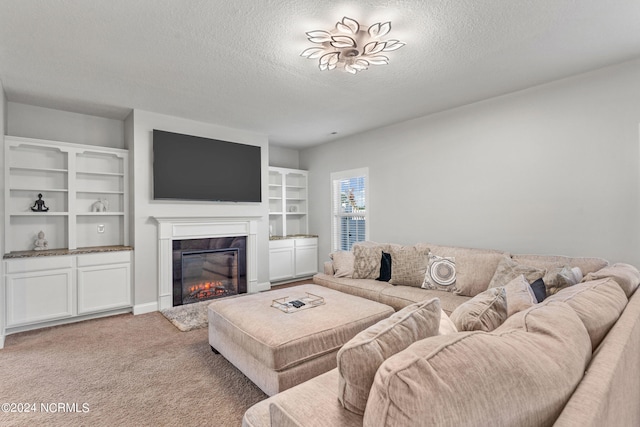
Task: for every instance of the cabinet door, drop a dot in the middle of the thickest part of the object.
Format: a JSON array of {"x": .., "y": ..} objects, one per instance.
[
  {"x": 306, "y": 257},
  {"x": 103, "y": 287},
  {"x": 281, "y": 262},
  {"x": 39, "y": 297}
]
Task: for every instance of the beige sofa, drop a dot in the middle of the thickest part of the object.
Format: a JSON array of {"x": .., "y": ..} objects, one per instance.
[{"x": 571, "y": 360}]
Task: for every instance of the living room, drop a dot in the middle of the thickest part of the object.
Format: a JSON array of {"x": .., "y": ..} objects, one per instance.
[{"x": 550, "y": 167}]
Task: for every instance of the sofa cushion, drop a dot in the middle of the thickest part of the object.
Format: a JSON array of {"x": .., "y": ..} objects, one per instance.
[
  {"x": 474, "y": 267},
  {"x": 343, "y": 262},
  {"x": 446, "y": 324},
  {"x": 359, "y": 359},
  {"x": 484, "y": 312},
  {"x": 627, "y": 276},
  {"x": 489, "y": 309},
  {"x": 598, "y": 303},
  {"x": 557, "y": 278},
  {"x": 522, "y": 374},
  {"x": 409, "y": 265},
  {"x": 548, "y": 262},
  {"x": 365, "y": 288},
  {"x": 399, "y": 297},
  {"x": 508, "y": 269},
  {"x": 366, "y": 261}
]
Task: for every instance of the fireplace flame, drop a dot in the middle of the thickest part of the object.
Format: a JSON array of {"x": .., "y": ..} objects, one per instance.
[{"x": 205, "y": 286}]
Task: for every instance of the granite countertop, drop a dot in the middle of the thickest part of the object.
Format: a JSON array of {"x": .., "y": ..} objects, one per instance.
[
  {"x": 293, "y": 236},
  {"x": 58, "y": 252}
]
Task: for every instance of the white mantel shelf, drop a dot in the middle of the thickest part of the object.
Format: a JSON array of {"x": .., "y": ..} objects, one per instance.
[{"x": 199, "y": 227}]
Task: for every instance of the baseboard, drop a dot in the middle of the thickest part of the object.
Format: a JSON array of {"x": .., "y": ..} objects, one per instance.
[
  {"x": 261, "y": 287},
  {"x": 149, "y": 307},
  {"x": 1, "y": 341}
]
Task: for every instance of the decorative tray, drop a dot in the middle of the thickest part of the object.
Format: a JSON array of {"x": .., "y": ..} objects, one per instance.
[{"x": 295, "y": 304}]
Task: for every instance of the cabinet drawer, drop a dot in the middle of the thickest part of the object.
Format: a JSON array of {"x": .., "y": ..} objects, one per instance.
[
  {"x": 104, "y": 258},
  {"x": 279, "y": 244},
  {"x": 28, "y": 265},
  {"x": 311, "y": 241}
]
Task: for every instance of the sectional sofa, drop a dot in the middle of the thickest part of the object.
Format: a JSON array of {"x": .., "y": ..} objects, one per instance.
[{"x": 538, "y": 340}]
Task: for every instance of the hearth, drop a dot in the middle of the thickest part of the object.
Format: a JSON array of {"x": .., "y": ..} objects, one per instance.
[{"x": 205, "y": 269}]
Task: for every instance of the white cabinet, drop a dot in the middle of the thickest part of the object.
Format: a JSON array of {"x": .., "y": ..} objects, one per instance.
[
  {"x": 293, "y": 258},
  {"x": 104, "y": 282},
  {"x": 75, "y": 181},
  {"x": 38, "y": 291},
  {"x": 281, "y": 260},
  {"x": 47, "y": 290},
  {"x": 306, "y": 254}
]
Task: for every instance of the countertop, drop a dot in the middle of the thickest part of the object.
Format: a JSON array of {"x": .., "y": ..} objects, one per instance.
[
  {"x": 293, "y": 236},
  {"x": 59, "y": 252}
]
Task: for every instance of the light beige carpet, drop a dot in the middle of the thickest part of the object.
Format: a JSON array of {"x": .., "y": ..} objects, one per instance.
[{"x": 128, "y": 370}]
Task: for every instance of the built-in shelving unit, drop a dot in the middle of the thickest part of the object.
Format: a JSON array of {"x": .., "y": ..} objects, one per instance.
[
  {"x": 71, "y": 178},
  {"x": 288, "y": 202}
]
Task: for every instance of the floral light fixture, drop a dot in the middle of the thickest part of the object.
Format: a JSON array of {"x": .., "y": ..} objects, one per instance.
[{"x": 351, "y": 47}]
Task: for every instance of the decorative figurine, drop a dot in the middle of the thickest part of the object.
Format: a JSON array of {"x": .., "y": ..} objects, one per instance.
[
  {"x": 100, "y": 206},
  {"x": 39, "y": 205},
  {"x": 41, "y": 243}
]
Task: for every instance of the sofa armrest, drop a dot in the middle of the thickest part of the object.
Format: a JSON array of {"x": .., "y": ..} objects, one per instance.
[
  {"x": 328, "y": 268},
  {"x": 280, "y": 417}
]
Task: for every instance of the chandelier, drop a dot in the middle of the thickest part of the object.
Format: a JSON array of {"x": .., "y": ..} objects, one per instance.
[{"x": 350, "y": 47}]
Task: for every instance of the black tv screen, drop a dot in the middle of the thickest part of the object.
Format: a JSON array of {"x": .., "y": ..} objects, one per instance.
[{"x": 193, "y": 168}]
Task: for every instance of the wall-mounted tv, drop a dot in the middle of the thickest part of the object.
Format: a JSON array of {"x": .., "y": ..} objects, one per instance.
[{"x": 193, "y": 168}]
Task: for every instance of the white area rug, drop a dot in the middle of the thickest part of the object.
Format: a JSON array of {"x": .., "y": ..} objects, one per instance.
[{"x": 189, "y": 316}]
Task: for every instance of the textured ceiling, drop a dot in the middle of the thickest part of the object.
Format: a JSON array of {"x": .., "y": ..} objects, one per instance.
[{"x": 237, "y": 64}]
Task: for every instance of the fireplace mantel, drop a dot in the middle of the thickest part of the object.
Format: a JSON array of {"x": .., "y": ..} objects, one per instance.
[{"x": 186, "y": 227}]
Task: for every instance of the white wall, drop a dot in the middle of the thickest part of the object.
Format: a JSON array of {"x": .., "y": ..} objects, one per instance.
[
  {"x": 145, "y": 239},
  {"x": 45, "y": 123},
  {"x": 284, "y": 157},
  {"x": 3, "y": 132},
  {"x": 553, "y": 169}
]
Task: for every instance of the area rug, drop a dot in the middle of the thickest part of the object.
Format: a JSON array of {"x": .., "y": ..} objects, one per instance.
[{"x": 189, "y": 316}]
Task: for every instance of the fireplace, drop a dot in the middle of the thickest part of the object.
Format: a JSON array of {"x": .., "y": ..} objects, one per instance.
[{"x": 205, "y": 269}]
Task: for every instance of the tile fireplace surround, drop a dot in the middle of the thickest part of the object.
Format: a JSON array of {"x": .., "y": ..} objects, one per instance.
[{"x": 181, "y": 228}]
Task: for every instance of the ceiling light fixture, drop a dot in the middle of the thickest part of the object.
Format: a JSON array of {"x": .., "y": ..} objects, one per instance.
[{"x": 350, "y": 47}]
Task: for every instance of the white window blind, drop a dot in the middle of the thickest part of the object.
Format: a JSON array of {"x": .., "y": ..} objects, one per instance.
[{"x": 350, "y": 218}]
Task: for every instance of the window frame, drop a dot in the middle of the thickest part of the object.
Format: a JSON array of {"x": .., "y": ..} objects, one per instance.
[{"x": 336, "y": 234}]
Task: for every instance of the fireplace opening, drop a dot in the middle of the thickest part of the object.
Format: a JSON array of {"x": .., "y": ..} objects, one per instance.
[
  {"x": 209, "y": 274},
  {"x": 205, "y": 269}
]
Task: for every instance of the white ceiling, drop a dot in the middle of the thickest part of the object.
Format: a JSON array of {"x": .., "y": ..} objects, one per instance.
[{"x": 236, "y": 63}]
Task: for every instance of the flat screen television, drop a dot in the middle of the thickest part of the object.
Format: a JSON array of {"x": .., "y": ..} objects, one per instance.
[{"x": 194, "y": 168}]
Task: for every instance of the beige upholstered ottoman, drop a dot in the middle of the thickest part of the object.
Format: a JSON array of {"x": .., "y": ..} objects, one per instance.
[{"x": 277, "y": 350}]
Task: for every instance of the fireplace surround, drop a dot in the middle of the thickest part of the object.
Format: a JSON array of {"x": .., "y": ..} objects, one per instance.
[{"x": 172, "y": 229}]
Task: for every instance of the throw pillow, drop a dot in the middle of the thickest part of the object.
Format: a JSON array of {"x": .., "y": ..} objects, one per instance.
[
  {"x": 367, "y": 261},
  {"x": 484, "y": 312},
  {"x": 409, "y": 265},
  {"x": 440, "y": 274},
  {"x": 539, "y": 290},
  {"x": 508, "y": 269},
  {"x": 385, "y": 267},
  {"x": 359, "y": 359},
  {"x": 627, "y": 276},
  {"x": 446, "y": 325},
  {"x": 560, "y": 278},
  {"x": 343, "y": 262},
  {"x": 519, "y": 295}
]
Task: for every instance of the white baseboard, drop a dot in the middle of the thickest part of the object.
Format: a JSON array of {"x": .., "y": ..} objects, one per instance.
[
  {"x": 261, "y": 287},
  {"x": 149, "y": 307}
]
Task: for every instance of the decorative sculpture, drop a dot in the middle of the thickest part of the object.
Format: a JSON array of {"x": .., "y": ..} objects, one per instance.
[
  {"x": 41, "y": 243},
  {"x": 39, "y": 205},
  {"x": 100, "y": 206}
]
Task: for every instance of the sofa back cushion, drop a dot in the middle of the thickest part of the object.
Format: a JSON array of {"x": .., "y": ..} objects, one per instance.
[
  {"x": 627, "y": 276},
  {"x": 474, "y": 267},
  {"x": 554, "y": 264},
  {"x": 598, "y": 303},
  {"x": 522, "y": 374},
  {"x": 359, "y": 359}
]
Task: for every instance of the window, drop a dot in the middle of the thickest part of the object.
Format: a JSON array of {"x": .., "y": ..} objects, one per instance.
[{"x": 350, "y": 218}]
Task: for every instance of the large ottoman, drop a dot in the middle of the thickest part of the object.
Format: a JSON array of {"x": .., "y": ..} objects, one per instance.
[{"x": 278, "y": 350}]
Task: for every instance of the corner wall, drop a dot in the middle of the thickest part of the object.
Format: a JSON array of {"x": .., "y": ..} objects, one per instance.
[
  {"x": 139, "y": 127},
  {"x": 553, "y": 169},
  {"x": 3, "y": 132}
]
